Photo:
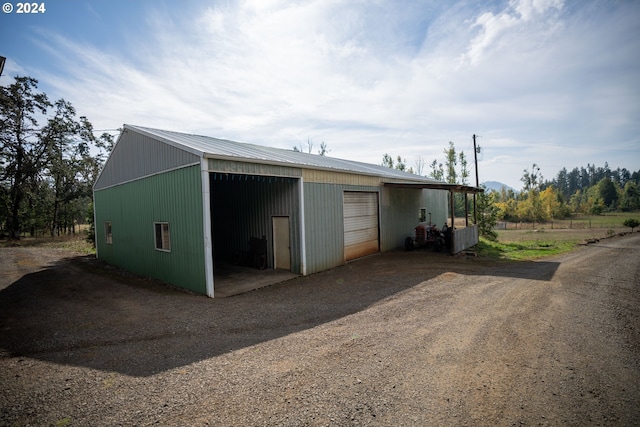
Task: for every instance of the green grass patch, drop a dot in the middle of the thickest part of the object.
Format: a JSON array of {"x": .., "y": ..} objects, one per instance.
[
  {"x": 529, "y": 244},
  {"x": 524, "y": 250}
]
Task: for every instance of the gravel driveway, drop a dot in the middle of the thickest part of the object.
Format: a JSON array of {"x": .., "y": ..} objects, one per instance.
[{"x": 397, "y": 339}]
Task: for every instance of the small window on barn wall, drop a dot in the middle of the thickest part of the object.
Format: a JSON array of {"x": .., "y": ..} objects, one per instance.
[
  {"x": 163, "y": 239},
  {"x": 108, "y": 237},
  {"x": 422, "y": 215}
]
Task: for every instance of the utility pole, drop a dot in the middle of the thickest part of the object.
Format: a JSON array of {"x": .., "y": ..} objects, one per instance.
[{"x": 475, "y": 158}]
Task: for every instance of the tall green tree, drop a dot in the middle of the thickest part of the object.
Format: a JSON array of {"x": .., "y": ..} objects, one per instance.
[
  {"x": 450, "y": 163},
  {"x": 399, "y": 164},
  {"x": 530, "y": 208},
  {"x": 387, "y": 161},
  {"x": 630, "y": 199},
  {"x": 464, "y": 168},
  {"x": 608, "y": 192},
  {"x": 488, "y": 212},
  {"x": 437, "y": 172},
  {"x": 532, "y": 179},
  {"x": 58, "y": 138},
  {"x": 21, "y": 154},
  {"x": 46, "y": 173}
]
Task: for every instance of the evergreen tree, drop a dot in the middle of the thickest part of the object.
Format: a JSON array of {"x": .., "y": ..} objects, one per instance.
[{"x": 608, "y": 192}]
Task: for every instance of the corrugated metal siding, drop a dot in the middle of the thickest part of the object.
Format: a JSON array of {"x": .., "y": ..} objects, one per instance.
[
  {"x": 437, "y": 202},
  {"x": 400, "y": 209},
  {"x": 136, "y": 156},
  {"x": 330, "y": 177},
  {"x": 242, "y": 207},
  {"x": 174, "y": 197},
  {"x": 324, "y": 224},
  {"x": 218, "y": 165},
  {"x": 360, "y": 212},
  {"x": 464, "y": 238}
]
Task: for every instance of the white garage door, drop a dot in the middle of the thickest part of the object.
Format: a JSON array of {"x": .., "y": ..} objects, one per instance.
[{"x": 360, "y": 224}]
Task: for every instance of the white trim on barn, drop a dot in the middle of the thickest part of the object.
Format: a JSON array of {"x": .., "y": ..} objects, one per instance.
[
  {"x": 303, "y": 244},
  {"x": 206, "y": 219}
]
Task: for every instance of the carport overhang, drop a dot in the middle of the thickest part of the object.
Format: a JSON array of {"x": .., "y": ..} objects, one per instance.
[
  {"x": 454, "y": 188},
  {"x": 462, "y": 239},
  {"x": 451, "y": 188}
]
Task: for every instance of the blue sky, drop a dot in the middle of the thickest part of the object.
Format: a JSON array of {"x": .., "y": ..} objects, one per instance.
[{"x": 551, "y": 82}]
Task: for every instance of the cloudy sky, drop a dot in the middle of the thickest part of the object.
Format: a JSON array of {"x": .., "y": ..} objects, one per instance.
[{"x": 551, "y": 82}]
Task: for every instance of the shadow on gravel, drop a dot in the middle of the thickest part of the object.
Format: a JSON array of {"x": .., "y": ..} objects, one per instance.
[{"x": 81, "y": 312}]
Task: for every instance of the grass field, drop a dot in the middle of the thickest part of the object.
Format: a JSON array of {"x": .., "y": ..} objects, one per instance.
[
  {"x": 75, "y": 243},
  {"x": 524, "y": 242},
  {"x": 611, "y": 220}
]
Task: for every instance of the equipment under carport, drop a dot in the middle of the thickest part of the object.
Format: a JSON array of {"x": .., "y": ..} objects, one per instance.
[{"x": 425, "y": 235}]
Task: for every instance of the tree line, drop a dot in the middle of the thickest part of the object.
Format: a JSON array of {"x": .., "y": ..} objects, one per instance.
[
  {"x": 49, "y": 160},
  {"x": 591, "y": 190},
  {"x": 583, "y": 190},
  {"x": 598, "y": 189}
]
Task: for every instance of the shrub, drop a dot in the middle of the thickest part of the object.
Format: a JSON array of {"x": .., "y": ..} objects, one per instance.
[{"x": 631, "y": 222}]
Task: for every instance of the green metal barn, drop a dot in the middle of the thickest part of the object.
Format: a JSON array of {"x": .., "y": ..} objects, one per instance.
[{"x": 185, "y": 209}]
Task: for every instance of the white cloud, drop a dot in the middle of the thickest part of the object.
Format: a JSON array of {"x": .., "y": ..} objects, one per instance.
[
  {"x": 523, "y": 24},
  {"x": 527, "y": 9},
  {"x": 369, "y": 78}
]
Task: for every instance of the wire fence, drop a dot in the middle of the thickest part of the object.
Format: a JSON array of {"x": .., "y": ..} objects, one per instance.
[{"x": 558, "y": 225}]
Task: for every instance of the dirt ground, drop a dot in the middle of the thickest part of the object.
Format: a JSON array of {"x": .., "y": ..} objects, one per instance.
[{"x": 402, "y": 339}]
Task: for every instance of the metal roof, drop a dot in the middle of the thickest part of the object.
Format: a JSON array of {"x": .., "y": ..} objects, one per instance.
[
  {"x": 209, "y": 147},
  {"x": 456, "y": 188}
]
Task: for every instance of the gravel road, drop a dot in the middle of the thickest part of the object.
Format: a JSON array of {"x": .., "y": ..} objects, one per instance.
[{"x": 396, "y": 339}]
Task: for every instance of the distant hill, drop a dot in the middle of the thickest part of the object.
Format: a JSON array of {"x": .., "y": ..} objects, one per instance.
[{"x": 496, "y": 186}]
